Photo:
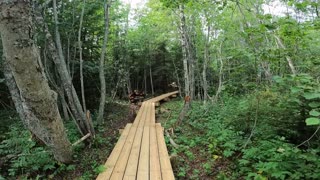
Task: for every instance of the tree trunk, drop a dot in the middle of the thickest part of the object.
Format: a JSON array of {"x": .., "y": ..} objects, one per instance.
[
  {"x": 35, "y": 102},
  {"x": 205, "y": 66},
  {"x": 177, "y": 77},
  {"x": 81, "y": 60},
  {"x": 101, "y": 68},
  {"x": 220, "y": 74},
  {"x": 184, "y": 52},
  {"x": 145, "y": 79},
  {"x": 290, "y": 63},
  {"x": 59, "y": 60},
  {"x": 151, "y": 79},
  {"x": 64, "y": 105}
]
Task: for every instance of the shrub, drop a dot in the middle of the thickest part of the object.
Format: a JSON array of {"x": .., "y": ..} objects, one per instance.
[{"x": 23, "y": 155}]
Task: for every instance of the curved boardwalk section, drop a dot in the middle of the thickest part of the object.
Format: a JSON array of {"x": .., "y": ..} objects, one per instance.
[{"x": 141, "y": 151}]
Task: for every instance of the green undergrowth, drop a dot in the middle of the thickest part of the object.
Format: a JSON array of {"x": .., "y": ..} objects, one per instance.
[
  {"x": 22, "y": 157},
  {"x": 250, "y": 137}
]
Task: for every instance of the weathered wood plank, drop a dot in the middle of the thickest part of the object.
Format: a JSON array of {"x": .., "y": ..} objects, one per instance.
[
  {"x": 159, "y": 98},
  {"x": 155, "y": 171},
  {"x": 132, "y": 165},
  {"x": 143, "y": 169},
  {"x": 121, "y": 164},
  {"x": 166, "y": 169},
  {"x": 153, "y": 115},
  {"x": 141, "y": 152},
  {"x": 139, "y": 115},
  {"x": 115, "y": 154}
]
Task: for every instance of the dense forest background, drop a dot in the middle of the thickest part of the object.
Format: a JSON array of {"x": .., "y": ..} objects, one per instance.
[{"x": 253, "y": 80}]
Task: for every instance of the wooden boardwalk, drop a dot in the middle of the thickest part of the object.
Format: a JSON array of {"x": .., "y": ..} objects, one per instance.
[{"x": 141, "y": 151}]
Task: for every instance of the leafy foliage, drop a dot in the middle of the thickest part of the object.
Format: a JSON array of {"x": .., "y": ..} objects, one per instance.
[
  {"x": 221, "y": 133},
  {"x": 25, "y": 156}
]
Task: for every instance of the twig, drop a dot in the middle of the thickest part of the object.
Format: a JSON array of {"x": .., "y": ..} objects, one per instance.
[
  {"x": 82, "y": 139},
  {"x": 307, "y": 141},
  {"x": 254, "y": 125},
  {"x": 174, "y": 144},
  {"x": 168, "y": 118}
]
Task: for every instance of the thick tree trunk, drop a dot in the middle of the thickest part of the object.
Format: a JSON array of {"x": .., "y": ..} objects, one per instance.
[
  {"x": 102, "y": 59},
  {"x": 35, "y": 102},
  {"x": 81, "y": 60}
]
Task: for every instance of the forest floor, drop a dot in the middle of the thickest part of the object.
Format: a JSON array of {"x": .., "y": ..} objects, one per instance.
[
  {"x": 27, "y": 162},
  {"x": 118, "y": 114},
  {"x": 213, "y": 142},
  {"x": 189, "y": 162}
]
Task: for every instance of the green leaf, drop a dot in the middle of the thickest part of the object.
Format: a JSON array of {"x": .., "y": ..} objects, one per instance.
[
  {"x": 314, "y": 113},
  {"x": 277, "y": 79},
  {"x": 100, "y": 169},
  {"x": 312, "y": 121},
  {"x": 311, "y": 95},
  {"x": 295, "y": 89},
  {"x": 314, "y": 104}
]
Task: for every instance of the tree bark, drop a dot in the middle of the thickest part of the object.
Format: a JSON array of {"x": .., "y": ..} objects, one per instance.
[
  {"x": 288, "y": 58},
  {"x": 59, "y": 60},
  {"x": 220, "y": 74},
  {"x": 205, "y": 66},
  {"x": 184, "y": 52},
  {"x": 151, "y": 79},
  {"x": 188, "y": 56},
  {"x": 145, "y": 79},
  {"x": 35, "y": 102},
  {"x": 102, "y": 59},
  {"x": 81, "y": 60}
]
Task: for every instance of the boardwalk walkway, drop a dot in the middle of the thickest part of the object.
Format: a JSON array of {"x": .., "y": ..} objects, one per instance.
[{"x": 141, "y": 151}]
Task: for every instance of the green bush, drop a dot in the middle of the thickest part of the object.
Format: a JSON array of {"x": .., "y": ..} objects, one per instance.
[
  {"x": 23, "y": 155},
  {"x": 226, "y": 135},
  {"x": 277, "y": 159}
]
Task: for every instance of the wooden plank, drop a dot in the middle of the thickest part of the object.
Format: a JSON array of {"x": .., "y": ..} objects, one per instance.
[
  {"x": 159, "y": 98},
  {"x": 132, "y": 166},
  {"x": 148, "y": 110},
  {"x": 115, "y": 154},
  {"x": 139, "y": 115},
  {"x": 148, "y": 120},
  {"x": 141, "y": 152},
  {"x": 131, "y": 169},
  {"x": 143, "y": 169},
  {"x": 155, "y": 171},
  {"x": 153, "y": 115},
  {"x": 121, "y": 164},
  {"x": 166, "y": 169},
  {"x": 157, "y": 104}
]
